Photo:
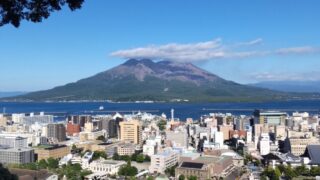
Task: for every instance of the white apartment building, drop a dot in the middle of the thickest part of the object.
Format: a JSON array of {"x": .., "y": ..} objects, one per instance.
[
  {"x": 17, "y": 118},
  {"x": 150, "y": 148},
  {"x": 105, "y": 166},
  {"x": 41, "y": 119},
  {"x": 13, "y": 142},
  {"x": 161, "y": 161},
  {"x": 264, "y": 144}
]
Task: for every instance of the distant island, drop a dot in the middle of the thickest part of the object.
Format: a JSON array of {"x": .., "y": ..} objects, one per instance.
[{"x": 164, "y": 81}]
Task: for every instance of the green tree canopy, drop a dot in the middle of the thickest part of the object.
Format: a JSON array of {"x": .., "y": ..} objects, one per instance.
[
  {"x": 6, "y": 175},
  {"x": 182, "y": 177},
  {"x": 14, "y": 11},
  {"x": 140, "y": 158},
  {"x": 128, "y": 170}
]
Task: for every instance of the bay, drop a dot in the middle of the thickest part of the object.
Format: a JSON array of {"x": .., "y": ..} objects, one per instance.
[{"x": 181, "y": 110}]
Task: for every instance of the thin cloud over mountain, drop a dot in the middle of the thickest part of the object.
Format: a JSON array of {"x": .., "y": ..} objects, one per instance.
[{"x": 209, "y": 50}]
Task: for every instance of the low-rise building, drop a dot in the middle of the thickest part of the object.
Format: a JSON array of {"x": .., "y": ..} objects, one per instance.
[
  {"x": 161, "y": 161},
  {"x": 298, "y": 145},
  {"x": 16, "y": 155},
  {"x": 55, "y": 151},
  {"x": 206, "y": 167},
  {"x": 107, "y": 166},
  {"x": 126, "y": 149}
]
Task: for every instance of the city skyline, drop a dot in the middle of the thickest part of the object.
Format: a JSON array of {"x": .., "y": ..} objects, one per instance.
[{"x": 259, "y": 41}]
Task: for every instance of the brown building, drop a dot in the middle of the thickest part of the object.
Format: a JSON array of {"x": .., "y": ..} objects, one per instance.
[
  {"x": 238, "y": 134},
  {"x": 55, "y": 151},
  {"x": 57, "y": 131},
  {"x": 225, "y": 129},
  {"x": 206, "y": 167},
  {"x": 131, "y": 131},
  {"x": 73, "y": 129}
]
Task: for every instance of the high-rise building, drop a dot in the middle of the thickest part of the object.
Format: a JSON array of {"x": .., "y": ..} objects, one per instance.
[
  {"x": 73, "y": 129},
  {"x": 264, "y": 144},
  {"x": 131, "y": 131},
  {"x": 225, "y": 129},
  {"x": 271, "y": 117},
  {"x": 57, "y": 131}
]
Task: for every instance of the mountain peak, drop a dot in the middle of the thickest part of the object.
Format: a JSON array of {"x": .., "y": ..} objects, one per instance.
[{"x": 134, "y": 62}]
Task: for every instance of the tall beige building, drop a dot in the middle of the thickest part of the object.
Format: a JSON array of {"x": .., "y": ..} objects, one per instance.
[{"x": 131, "y": 131}]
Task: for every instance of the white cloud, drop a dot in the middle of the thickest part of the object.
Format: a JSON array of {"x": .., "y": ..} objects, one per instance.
[
  {"x": 208, "y": 50},
  {"x": 298, "y": 50},
  {"x": 286, "y": 76}
]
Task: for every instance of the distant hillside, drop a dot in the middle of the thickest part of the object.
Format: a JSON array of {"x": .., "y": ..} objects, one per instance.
[
  {"x": 11, "y": 94},
  {"x": 145, "y": 80},
  {"x": 290, "y": 86}
]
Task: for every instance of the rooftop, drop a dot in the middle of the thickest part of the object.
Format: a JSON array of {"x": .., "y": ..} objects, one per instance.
[
  {"x": 314, "y": 153},
  {"x": 192, "y": 165}
]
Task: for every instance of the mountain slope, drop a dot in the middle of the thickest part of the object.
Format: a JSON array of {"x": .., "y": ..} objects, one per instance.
[
  {"x": 139, "y": 80},
  {"x": 290, "y": 86}
]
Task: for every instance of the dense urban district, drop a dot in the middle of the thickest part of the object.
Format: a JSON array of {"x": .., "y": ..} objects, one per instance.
[{"x": 265, "y": 145}]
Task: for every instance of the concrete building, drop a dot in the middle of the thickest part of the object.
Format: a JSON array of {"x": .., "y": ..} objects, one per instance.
[
  {"x": 280, "y": 131},
  {"x": 272, "y": 117},
  {"x": 73, "y": 129},
  {"x": 126, "y": 149},
  {"x": 91, "y": 136},
  {"x": 225, "y": 129},
  {"x": 264, "y": 144},
  {"x": 131, "y": 131},
  {"x": 14, "y": 142},
  {"x": 41, "y": 119},
  {"x": 150, "y": 148},
  {"x": 17, "y": 118},
  {"x": 57, "y": 131},
  {"x": 177, "y": 138},
  {"x": 81, "y": 119},
  {"x": 56, "y": 151},
  {"x": 108, "y": 166},
  {"x": 298, "y": 145},
  {"x": 16, "y": 156},
  {"x": 3, "y": 120},
  {"x": 207, "y": 167},
  {"x": 161, "y": 161}
]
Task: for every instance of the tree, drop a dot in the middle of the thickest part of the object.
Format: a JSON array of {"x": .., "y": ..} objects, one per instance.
[
  {"x": 171, "y": 171},
  {"x": 98, "y": 154},
  {"x": 150, "y": 178},
  {"x": 6, "y": 175},
  {"x": 140, "y": 158},
  {"x": 181, "y": 177},
  {"x": 134, "y": 157},
  {"x": 302, "y": 170},
  {"x": 162, "y": 124},
  {"x": 192, "y": 178},
  {"x": 115, "y": 156},
  {"x": 147, "y": 158},
  {"x": 128, "y": 170},
  {"x": 42, "y": 164},
  {"x": 52, "y": 163},
  {"x": 101, "y": 138},
  {"x": 14, "y": 11},
  {"x": 315, "y": 171}
]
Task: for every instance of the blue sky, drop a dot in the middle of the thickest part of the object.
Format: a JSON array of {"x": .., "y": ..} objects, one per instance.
[{"x": 248, "y": 41}]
